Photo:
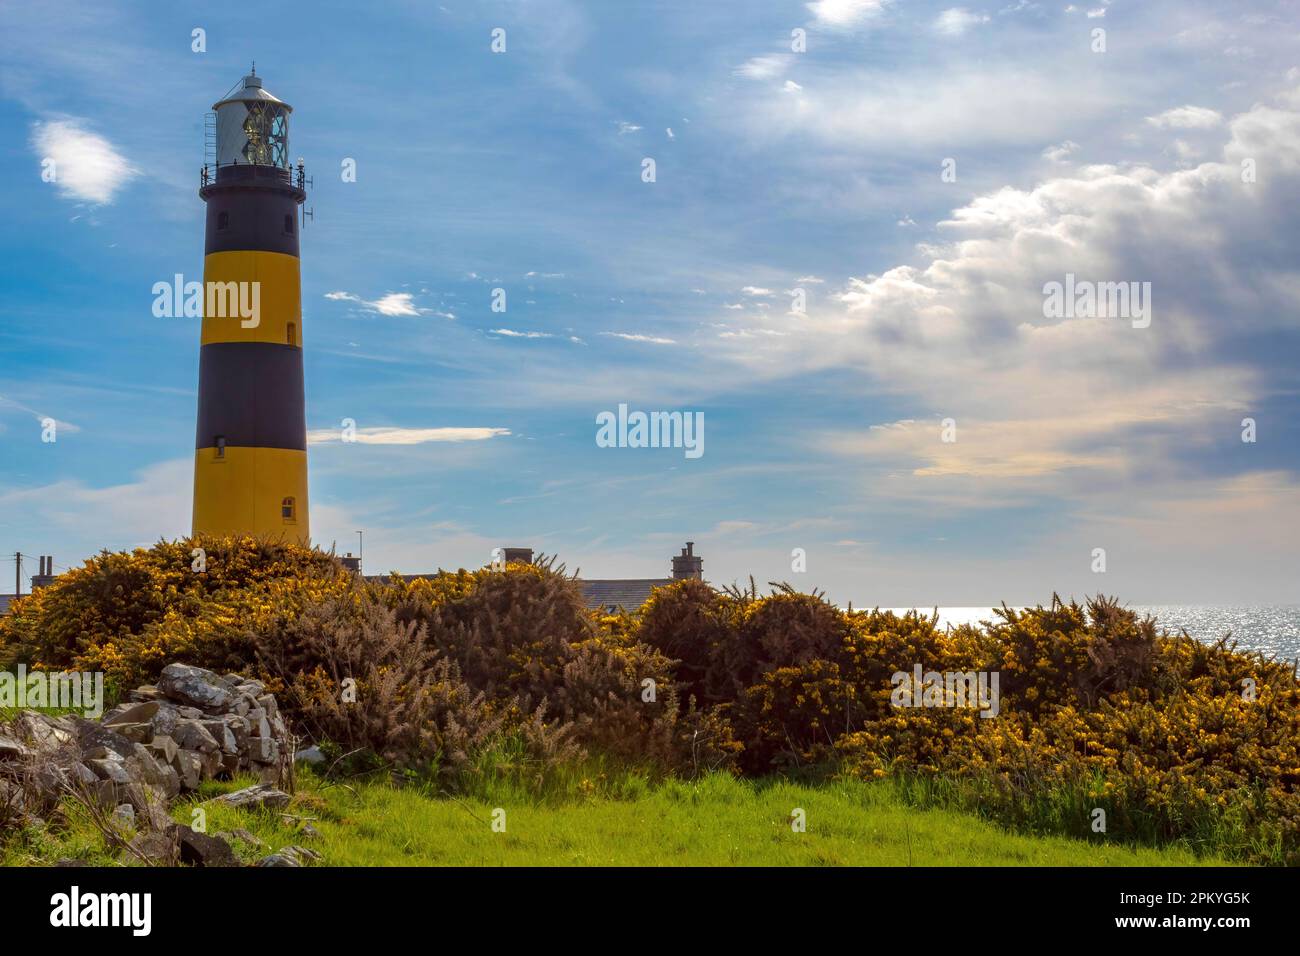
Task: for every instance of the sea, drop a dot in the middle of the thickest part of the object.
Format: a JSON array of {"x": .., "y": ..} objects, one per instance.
[{"x": 1272, "y": 629}]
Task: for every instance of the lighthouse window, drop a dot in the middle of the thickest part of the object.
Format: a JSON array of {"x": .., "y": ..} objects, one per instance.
[
  {"x": 287, "y": 509},
  {"x": 223, "y": 220},
  {"x": 288, "y": 223},
  {"x": 221, "y": 446},
  {"x": 291, "y": 334}
]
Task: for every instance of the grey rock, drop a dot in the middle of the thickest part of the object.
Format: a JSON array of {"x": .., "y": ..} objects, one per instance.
[
  {"x": 164, "y": 747},
  {"x": 156, "y": 846},
  {"x": 110, "y": 770},
  {"x": 262, "y": 795},
  {"x": 290, "y": 856},
  {"x": 142, "y": 713},
  {"x": 194, "y": 686},
  {"x": 223, "y": 735},
  {"x": 93, "y": 736},
  {"x": 192, "y": 735},
  {"x": 11, "y": 749},
  {"x": 262, "y": 750},
  {"x": 189, "y": 768},
  {"x": 310, "y": 755},
  {"x": 124, "y": 815}
]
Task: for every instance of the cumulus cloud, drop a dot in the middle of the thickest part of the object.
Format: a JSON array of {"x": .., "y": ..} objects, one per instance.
[
  {"x": 85, "y": 165},
  {"x": 1187, "y": 117},
  {"x": 964, "y": 335},
  {"x": 1061, "y": 152}
]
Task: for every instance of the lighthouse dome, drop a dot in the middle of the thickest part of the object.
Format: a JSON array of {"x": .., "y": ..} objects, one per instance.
[{"x": 252, "y": 126}]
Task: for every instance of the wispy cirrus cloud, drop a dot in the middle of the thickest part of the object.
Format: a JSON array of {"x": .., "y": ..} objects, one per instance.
[
  {"x": 638, "y": 337},
  {"x": 517, "y": 334},
  {"x": 405, "y": 436},
  {"x": 393, "y": 303}
]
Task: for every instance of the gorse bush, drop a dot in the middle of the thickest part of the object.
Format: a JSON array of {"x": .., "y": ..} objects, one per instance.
[{"x": 469, "y": 676}]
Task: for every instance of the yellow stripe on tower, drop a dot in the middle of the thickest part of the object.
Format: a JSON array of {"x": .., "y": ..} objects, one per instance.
[
  {"x": 257, "y": 491},
  {"x": 279, "y": 318}
]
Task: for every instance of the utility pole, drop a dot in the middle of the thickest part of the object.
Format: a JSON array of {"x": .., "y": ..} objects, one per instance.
[
  {"x": 361, "y": 550},
  {"x": 18, "y": 573}
]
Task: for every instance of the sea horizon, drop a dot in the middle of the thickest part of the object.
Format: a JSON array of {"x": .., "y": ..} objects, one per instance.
[{"x": 1272, "y": 629}]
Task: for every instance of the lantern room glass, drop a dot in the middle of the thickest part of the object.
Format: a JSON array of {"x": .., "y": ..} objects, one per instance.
[{"x": 266, "y": 129}]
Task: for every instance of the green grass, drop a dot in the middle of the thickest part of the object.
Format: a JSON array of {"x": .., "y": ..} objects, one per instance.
[{"x": 717, "y": 821}]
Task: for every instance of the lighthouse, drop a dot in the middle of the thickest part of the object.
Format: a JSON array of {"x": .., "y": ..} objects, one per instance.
[{"x": 250, "y": 460}]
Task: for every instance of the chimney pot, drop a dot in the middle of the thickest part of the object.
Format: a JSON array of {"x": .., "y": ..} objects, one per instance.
[{"x": 688, "y": 564}]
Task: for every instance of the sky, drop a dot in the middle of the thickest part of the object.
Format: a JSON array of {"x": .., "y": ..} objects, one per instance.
[{"x": 840, "y": 262}]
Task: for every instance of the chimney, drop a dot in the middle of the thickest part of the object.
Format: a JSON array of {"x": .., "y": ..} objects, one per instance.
[
  {"x": 688, "y": 564},
  {"x": 351, "y": 563},
  {"x": 519, "y": 555},
  {"x": 46, "y": 576}
]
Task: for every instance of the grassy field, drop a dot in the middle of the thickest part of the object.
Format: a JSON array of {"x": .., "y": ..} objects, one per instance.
[{"x": 718, "y": 821}]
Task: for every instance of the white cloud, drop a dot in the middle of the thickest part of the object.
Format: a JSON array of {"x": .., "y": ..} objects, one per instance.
[
  {"x": 1187, "y": 117},
  {"x": 1061, "y": 152},
  {"x": 973, "y": 313},
  {"x": 155, "y": 505},
  {"x": 791, "y": 87},
  {"x": 86, "y": 165},
  {"x": 625, "y": 127},
  {"x": 844, "y": 14},
  {"x": 406, "y": 436},
  {"x": 957, "y": 20},
  {"x": 763, "y": 67},
  {"x": 638, "y": 337},
  {"x": 753, "y": 290},
  {"x": 974, "y": 103},
  {"x": 394, "y": 303},
  {"x": 515, "y": 334}
]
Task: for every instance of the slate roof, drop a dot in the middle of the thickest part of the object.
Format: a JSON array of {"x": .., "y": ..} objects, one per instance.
[
  {"x": 604, "y": 594},
  {"x": 627, "y": 593}
]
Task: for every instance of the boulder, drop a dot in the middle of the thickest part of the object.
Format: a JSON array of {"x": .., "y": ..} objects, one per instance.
[{"x": 194, "y": 686}]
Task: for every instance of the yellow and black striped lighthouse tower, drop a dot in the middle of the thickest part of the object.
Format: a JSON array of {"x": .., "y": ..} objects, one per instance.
[{"x": 250, "y": 462}]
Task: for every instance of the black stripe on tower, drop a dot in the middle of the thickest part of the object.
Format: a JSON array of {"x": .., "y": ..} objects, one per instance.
[
  {"x": 252, "y": 209},
  {"x": 250, "y": 394}
]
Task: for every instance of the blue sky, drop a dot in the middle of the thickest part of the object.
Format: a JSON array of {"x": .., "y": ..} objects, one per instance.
[{"x": 776, "y": 170}]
